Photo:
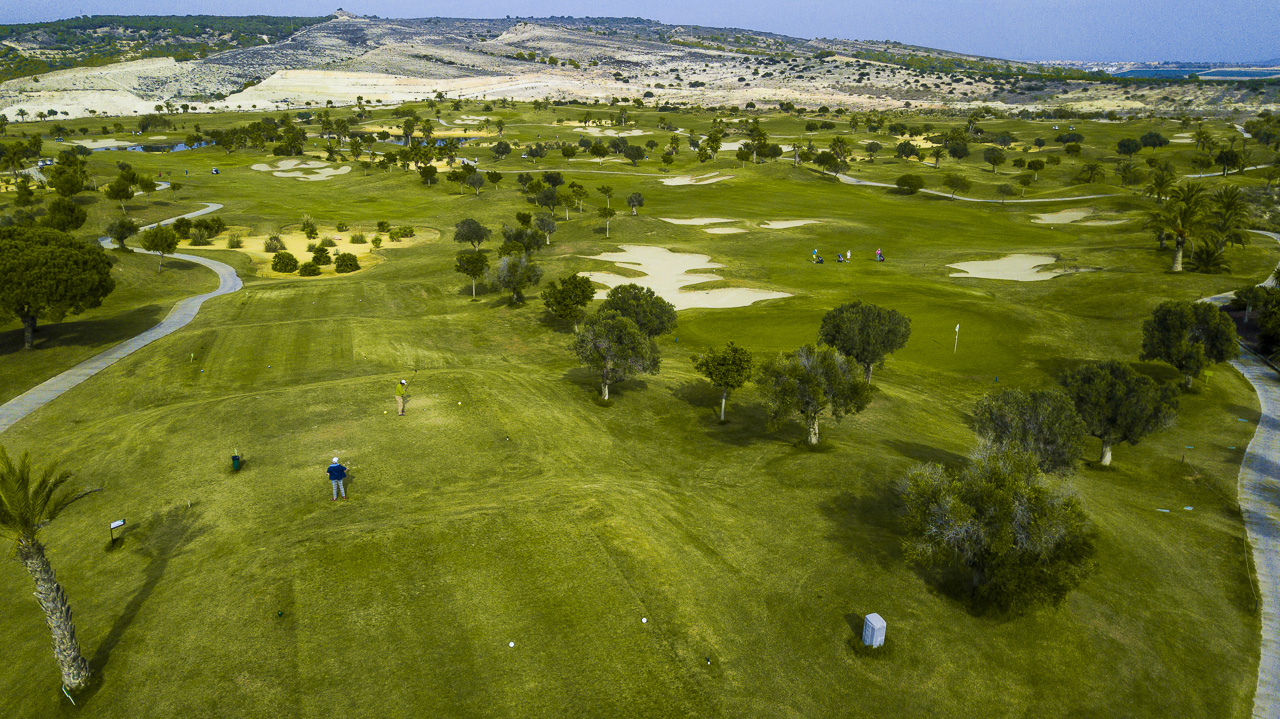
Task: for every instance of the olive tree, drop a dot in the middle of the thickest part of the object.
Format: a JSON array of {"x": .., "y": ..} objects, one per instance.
[
  {"x": 811, "y": 381},
  {"x": 1188, "y": 335},
  {"x": 1117, "y": 404},
  {"x": 727, "y": 369},
  {"x": 516, "y": 273},
  {"x": 1042, "y": 422},
  {"x": 48, "y": 274},
  {"x": 652, "y": 314},
  {"x": 471, "y": 232},
  {"x": 614, "y": 346},
  {"x": 161, "y": 240},
  {"x": 865, "y": 333},
  {"x": 1025, "y": 542},
  {"x": 567, "y": 297}
]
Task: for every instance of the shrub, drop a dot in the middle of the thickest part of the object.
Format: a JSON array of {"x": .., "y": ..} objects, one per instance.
[
  {"x": 358, "y": 239},
  {"x": 321, "y": 256},
  {"x": 384, "y": 226},
  {"x": 273, "y": 244},
  {"x": 234, "y": 242},
  {"x": 312, "y": 247},
  {"x": 328, "y": 242},
  {"x": 376, "y": 242},
  {"x": 910, "y": 184},
  {"x": 406, "y": 231},
  {"x": 308, "y": 269},
  {"x": 284, "y": 262},
  {"x": 342, "y": 226},
  {"x": 394, "y": 235},
  {"x": 346, "y": 262},
  {"x": 200, "y": 238},
  {"x": 309, "y": 227},
  {"x": 182, "y": 227}
]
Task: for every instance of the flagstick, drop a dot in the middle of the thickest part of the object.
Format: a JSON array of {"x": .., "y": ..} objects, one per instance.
[{"x": 957, "y": 347}]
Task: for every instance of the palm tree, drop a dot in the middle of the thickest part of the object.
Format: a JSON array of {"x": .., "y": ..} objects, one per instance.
[
  {"x": 1160, "y": 185},
  {"x": 26, "y": 506},
  {"x": 1093, "y": 171},
  {"x": 1230, "y": 212},
  {"x": 1183, "y": 215},
  {"x": 1209, "y": 258},
  {"x": 1202, "y": 137}
]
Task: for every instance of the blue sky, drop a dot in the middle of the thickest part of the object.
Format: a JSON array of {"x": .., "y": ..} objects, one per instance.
[{"x": 1144, "y": 30}]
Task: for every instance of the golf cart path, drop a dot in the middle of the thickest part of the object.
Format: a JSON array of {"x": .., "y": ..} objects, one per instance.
[
  {"x": 1259, "y": 491},
  {"x": 182, "y": 313}
]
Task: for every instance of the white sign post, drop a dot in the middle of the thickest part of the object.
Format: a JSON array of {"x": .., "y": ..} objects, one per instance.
[{"x": 114, "y": 526}]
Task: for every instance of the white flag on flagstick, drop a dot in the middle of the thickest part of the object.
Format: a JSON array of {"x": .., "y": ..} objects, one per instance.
[{"x": 957, "y": 328}]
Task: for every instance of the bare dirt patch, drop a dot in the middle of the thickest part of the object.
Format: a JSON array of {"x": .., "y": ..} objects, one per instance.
[{"x": 667, "y": 273}]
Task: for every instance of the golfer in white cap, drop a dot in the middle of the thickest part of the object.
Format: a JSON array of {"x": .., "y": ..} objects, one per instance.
[
  {"x": 402, "y": 394},
  {"x": 337, "y": 473}
]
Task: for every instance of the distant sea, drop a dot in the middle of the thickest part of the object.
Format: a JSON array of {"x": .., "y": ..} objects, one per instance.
[{"x": 1220, "y": 73}]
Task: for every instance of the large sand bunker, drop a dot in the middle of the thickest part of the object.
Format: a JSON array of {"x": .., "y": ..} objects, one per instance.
[
  {"x": 724, "y": 230},
  {"x": 316, "y": 170},
  {"x": 95, "y": 144},
  {"x": 1075, "y": 216},
  {"x": 691, "y": 180},
  {"x": 667, "y": 273},
  {"x": 1020, "y": 268},
  {"x": 786, "y": 224}
]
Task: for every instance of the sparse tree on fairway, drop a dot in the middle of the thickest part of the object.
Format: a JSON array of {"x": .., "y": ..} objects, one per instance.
[
  {"x": 1153, "y": 140},
  {"x": 616, "y": 348},
  {"x": 471, "y": 232},
  {"x": 910, "y": 183},
  {"x": 1188, "y": 335},
  {"x": 606, "y": 214},
  {"x": 635, "y": 200},
  {"x": 475, "y": 181},
  {"x": 811, "y": 381},
  {"x": 607, "y": 192},
  {"x": 121, "y": 229},
  {"x": 1128, "y": 147},
  {"x": 568, "y": 297},
  {"x": 958, "y": 150},
  {"x": 956, "y": 182},
  {"x": 993, "y": 156},
  {"x": 1036, "y": 166},
  {"x": 546, "y": 224},
  {"x": 651, "y": 313},
  {"x": 27, "y": 504},
  {"x": 47, "y": 274},
  {"x": 517, "y": 273},
  {"x": 473, "y": 265},
  {"x": 872, "y": 149},
  {"x": 494, "y": 177},
  {"x": 864, "y": 333},
  {"x": 1042, "y": 422},
  {"x": 727, "y": 369},
  {"x": 161, "y": 240},
  {"x": 1117, "y": 404},
  {"x": 1027, "y": 543}
]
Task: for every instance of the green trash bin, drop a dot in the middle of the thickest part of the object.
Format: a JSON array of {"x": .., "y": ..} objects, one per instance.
[{"x": 235, "y": 463}]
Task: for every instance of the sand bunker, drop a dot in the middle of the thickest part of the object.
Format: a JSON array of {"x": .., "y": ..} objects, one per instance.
[
  {"x": 786, "y": 224},
  {"x": 1020, "y": 268},
  {"x": 691, "y": 180},
  {"x": 95, "y": 144},
  {"x": 1182, "y": 137},
  {"x": 597, "y": 132},
  {"x": 724, "y": 230},
  {"x": 1073, "y": 216},
  {"x": 158, "y": 137},
  {"x": 697, "y": 220},
  {"x": 667, "y": 273},
  {"x": 316, "y": 170}
]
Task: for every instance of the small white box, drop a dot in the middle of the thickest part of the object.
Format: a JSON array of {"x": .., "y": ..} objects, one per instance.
[{"x": 873, "y": 628}]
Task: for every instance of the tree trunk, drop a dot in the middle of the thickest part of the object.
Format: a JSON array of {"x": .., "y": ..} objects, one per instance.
[
  {"x": 1105, "y": 459},
  {"x": 604, "y": 390},
  {"x": 723, "y": 397},
  {"x": 28, "y": 331},
  {"x": 1187, "y": 380},
  {"x": 57, "y": 613},
  {"x": 633, "y": 212},
  {"x": 1177, "y": 256},
  {"x": 473, "y": 288},
  {"x": 161, "y": 267},
  {"x": 866, "y": 376},
  {"x": 812, "y": 421}
]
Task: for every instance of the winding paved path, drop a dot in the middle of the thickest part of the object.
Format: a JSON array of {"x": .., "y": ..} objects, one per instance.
[
  {"x": 182, "y": 313},
  {"x": 1259, "y": 492}
]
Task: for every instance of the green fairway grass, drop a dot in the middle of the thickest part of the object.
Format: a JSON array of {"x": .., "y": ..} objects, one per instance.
[{"x": 512, "y": 505}]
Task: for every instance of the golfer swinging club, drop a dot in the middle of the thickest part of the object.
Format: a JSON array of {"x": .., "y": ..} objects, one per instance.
[{"x": 402, "y": 394}]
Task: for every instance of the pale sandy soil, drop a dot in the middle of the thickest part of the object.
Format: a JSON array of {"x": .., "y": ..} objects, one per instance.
[
  {"x": 1020, "y": 268},
  {"x": 786, "y": 224},
  {"x": 724, "y": 230},
  {"x": 696, "y": 220},
  {"x": 668, "y": 273},
  {"x": 296, "y": 244},
  {"x": 680, "y": 180}
]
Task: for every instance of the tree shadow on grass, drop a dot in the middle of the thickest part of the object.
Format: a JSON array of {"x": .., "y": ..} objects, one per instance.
[
  {"x": 588, "y": 381},
  {"x": 107, "y": 330},
  {"x": 921, "y": 452},
  {"x": 865, "y": 525},
  {"x": 162, "y": 538}
]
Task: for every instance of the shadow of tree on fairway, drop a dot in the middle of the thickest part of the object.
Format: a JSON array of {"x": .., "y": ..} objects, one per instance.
[
  {"x": 107, "y": 330},
  {"x": 866, "y": 525},
  {"x": 924, "y": 453},
  {"x": 588, "y": 380},
  {"x": 162, "y": 538}
]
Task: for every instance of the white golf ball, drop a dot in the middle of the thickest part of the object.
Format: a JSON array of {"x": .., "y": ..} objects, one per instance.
[
  {"x": 203, "y": 370},
  {"x": 644, "y": 620},
  {"x": 511, "y": 644}
]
